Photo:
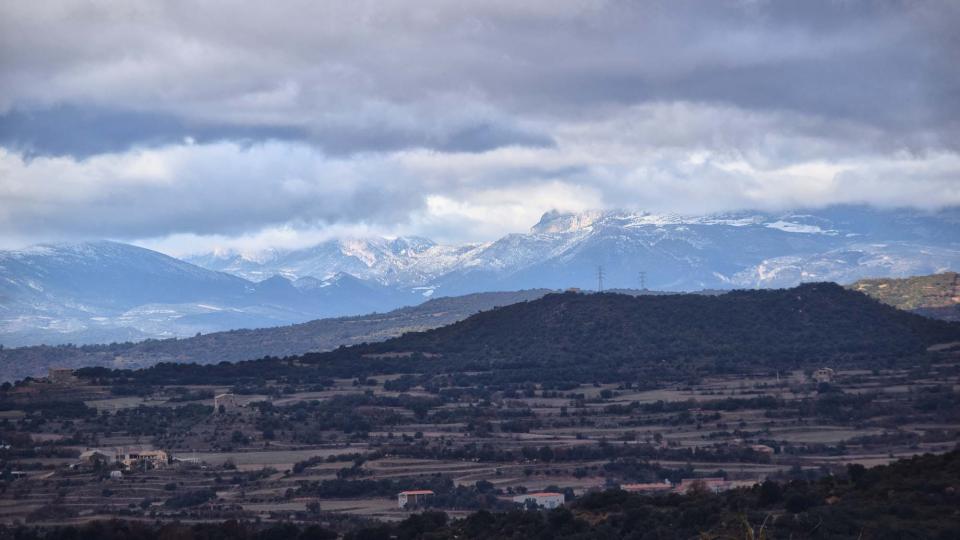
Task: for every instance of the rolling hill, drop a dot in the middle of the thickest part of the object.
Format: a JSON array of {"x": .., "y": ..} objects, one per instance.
[
  {"x": 815, "y": 321},
  {"x": 565, "y": 339}
]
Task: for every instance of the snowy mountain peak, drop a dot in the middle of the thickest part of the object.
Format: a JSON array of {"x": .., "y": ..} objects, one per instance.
[
  {"x": 88, "y": 248},
  {"x": 556, "y": 222}
]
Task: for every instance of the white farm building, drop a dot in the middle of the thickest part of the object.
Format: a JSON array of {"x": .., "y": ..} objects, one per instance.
[
  {"x": 543, "y": 500},
  {"x": 413, "y": 498}
]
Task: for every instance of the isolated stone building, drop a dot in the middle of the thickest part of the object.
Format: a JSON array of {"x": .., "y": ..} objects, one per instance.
[
  {"x": 227, "y": 401},
  {"x": 61, "y": 375}
]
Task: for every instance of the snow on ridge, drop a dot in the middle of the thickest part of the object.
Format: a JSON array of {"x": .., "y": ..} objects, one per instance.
[
  {"x": 554, "y": 222},
  {"x": 647, "y": 219},
  {"x": 360, "y": 249},
  {"x": 30, "y": 251},
  {"x": 791, "y": 227}
]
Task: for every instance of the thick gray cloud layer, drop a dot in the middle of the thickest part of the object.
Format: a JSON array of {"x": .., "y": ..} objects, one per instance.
[{"x": 148, "y": 119}]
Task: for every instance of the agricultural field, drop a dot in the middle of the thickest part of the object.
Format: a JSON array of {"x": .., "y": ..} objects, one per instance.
[{"x": 343, "y": 450}]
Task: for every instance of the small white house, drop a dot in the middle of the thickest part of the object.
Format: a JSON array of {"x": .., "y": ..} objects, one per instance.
[
  {"x": 413, "y": 498},
  {"x": 543, "y": 500}
]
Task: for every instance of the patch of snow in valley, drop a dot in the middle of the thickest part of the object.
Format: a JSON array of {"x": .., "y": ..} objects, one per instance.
[{"x": 787, "y": 226}]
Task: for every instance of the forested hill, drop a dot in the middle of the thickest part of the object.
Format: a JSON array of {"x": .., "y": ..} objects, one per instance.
[
  {"x": 818, "y": 322},
  {"x": 574, "y": 338}
]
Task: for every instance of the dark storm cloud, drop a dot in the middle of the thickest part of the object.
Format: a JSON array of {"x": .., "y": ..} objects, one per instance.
[
  {"x": 891, "y": 65},
  {"x": 475, "y": 138},
  {"x": 83, "y": 132},
  {"x": 886, "y": 64},
  {"x": 154, "y": 118}
]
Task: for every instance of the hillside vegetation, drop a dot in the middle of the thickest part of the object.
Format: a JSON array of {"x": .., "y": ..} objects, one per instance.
[
  {"x": 812, "y": 322},
  {"x": 936, "y": 295},
  {"x": 577, "y": 337},
  {"x": 238, "y": 345}
]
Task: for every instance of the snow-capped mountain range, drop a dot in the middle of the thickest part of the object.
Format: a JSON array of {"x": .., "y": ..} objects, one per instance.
[
  {"x": 107, "y": 291},
  {"x": 405, "y": 261},
  {"x": 745, "y": 249}
]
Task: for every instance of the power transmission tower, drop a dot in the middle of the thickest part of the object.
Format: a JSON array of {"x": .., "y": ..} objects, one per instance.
[
  {"x": 600, "y": 279},
  {"x": 643, "y": 280}
]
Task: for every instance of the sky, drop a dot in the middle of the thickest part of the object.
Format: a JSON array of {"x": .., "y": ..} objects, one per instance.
[{"x": 191, "y": 126}]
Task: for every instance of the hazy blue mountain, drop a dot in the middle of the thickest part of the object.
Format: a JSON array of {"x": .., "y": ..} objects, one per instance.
[
  {"x": 99, "y": 272},
  {"x": 106, "y": 291}
]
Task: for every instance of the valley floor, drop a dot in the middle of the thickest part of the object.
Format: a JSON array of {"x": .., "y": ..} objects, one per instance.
[{"x": 343, "y": 451}]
